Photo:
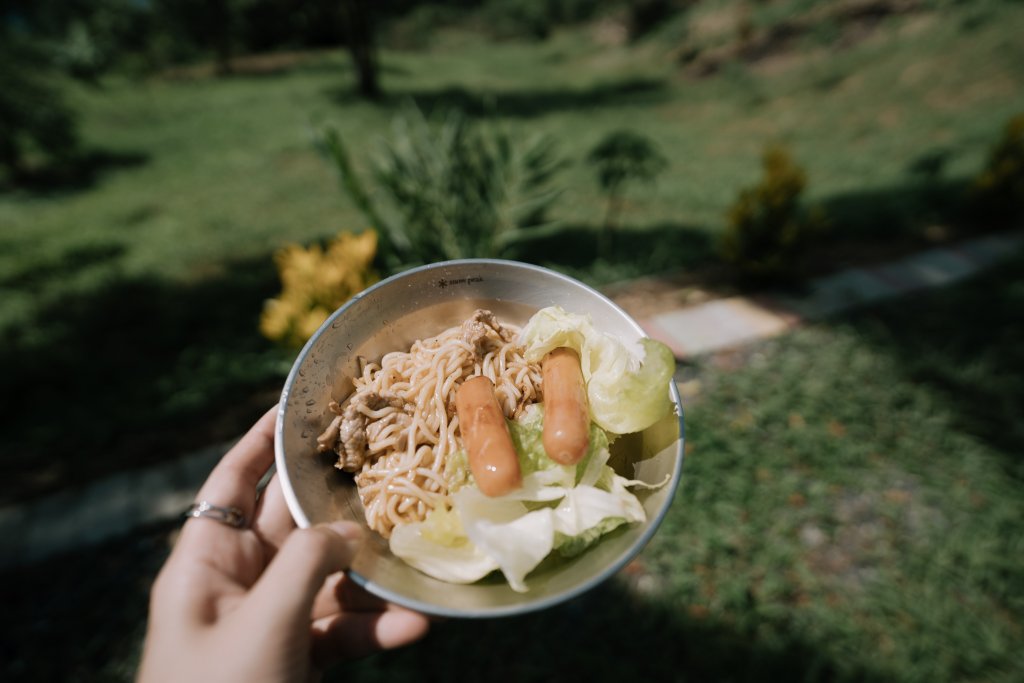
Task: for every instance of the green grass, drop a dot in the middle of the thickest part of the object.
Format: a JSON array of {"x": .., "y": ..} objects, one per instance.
[
  {"x": 129, "y": 298},
  {"x": 850, "y": 510}
]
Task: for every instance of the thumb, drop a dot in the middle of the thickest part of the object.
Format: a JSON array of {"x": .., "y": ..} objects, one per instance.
[{"x": 286, "y": 591}]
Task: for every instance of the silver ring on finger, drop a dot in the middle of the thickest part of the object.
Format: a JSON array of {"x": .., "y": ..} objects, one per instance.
[{"x": 231, "y": 516}]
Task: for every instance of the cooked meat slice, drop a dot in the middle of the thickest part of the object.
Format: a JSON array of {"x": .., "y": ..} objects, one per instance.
[
  {"x": 329, "y": 436},
  {"x": 352, "y": 437},
  {"x": 483, "y": 330}
]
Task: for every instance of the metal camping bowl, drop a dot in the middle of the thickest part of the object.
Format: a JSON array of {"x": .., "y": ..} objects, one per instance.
[{"x": 420, "y": 303}]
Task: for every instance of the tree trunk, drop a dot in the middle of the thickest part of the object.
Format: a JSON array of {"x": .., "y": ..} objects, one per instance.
[
  {"x": 222, "y": 22},
  {"x": 10, "y": 157},
  {"x": 362, "y": 45},
  {"x": 611, "y": 218},
  {"x": 224, "y": 56}
]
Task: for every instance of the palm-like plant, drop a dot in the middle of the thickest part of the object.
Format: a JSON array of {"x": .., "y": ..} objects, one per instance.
[
  {"x": 450, "y": 189},
  {"x": 620, "y": 158}
]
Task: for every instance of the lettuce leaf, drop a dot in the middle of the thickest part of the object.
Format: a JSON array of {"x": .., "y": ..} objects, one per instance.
[
  {"x": 456, "y": 562},
  {"x": 627, "y": 388},
  {"x": 571, "y": 546},
  {"x": 558, "y": 508},
  {"x": 527, "y": 437}
]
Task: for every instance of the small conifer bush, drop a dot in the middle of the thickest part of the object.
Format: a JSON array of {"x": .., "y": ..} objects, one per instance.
[
  {"x": 998, "y": 190},
  {"x": 768, "y": 231}
]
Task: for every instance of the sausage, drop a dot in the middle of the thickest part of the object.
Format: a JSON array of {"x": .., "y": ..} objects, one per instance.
[
  {"x": 566, "y": 413},
  {"x": 492, "y": 457}
]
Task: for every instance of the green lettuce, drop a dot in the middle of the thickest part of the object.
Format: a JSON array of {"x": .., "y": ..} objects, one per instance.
[
  {"x": 627, "y": 388},
  {"x": 558, "y": 508}
]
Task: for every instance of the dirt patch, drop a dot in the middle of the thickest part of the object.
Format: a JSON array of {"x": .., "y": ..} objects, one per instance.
[
  {"x": 245, "y": 65},
  {"x": 855, "y": 21},
  {"x": 610, "y": 32},
  {"x": 649, "y": 296},
  {"x": 973, "y": 96},
  {"x": 781, "y": 62},
  {"x": 717, "y": 24}
]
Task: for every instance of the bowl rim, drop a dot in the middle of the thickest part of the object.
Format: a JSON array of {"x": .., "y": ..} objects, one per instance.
[{"x": 365, "y": 582}]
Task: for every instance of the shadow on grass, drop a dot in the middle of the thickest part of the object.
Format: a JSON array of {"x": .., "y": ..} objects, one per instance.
[
  {"x": 66, "y": 265},
  {"x": 623, "y": 252},
  {"x": 903, "y": 211},
  {"x": 340, "y": 66},
  {"x": 878, "y": 225},
  {"x": 94, "y": 601},
  {"x": 75, "y": 174},
  {"x": 966, "y": 342},
  {"x": 135, "y": 370},
  {"x": 608, "y": 634},
  {"x": 521, "y": 103},
  {"x": 271, "y": 65}
]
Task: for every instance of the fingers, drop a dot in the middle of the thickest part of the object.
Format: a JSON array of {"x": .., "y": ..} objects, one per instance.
[
  {"x": 341, "y": 594},
  {"x": 272, "y": 521},
  {"x": 233, "y": 481},
  {"x": 285, "y": 592},
  {"x": 357, "y": 634}
]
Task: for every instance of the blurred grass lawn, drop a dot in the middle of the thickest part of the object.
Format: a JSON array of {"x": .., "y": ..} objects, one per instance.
[
  {"x": 850, "y": 510},
  {"x": 129, "y": 299}
]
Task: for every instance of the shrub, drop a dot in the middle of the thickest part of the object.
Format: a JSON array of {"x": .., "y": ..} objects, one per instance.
[
  {"x": 454, "y": 189},
  {"x": 507, "y": 19},
  {"x": 647, "y": 15},
  {"x": 767, "y": 230},
  {"x": 315, "y": 282},
  {"x": 620, "y": 158},
  {"x": 532, "y": 19},
  {"x": 37, "y": 129},
  {"x": 998, "y": 191}
]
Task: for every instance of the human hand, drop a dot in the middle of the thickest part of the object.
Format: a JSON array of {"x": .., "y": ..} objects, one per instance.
[{"x": 265, "y": 602}]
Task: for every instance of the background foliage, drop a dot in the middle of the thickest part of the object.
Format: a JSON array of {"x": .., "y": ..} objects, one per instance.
[
  {"x": 768, "y": 230},
  {"x": 999, "y": 188},
  {"x": 621, "y": 158}
]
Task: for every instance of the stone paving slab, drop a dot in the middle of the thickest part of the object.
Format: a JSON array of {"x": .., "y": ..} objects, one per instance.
[
  {"x": 902, "y": 280},
  {"x": 987, "y": 250},
  {"x": 714, "y": 325},
  {"x": 836, "y": 293},
  {"x": 938, "y": 268},
  {"x": 727, "y": 323}
]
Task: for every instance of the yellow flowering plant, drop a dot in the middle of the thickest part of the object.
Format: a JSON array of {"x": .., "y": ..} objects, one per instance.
[{"x": 315, "y": 281}]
